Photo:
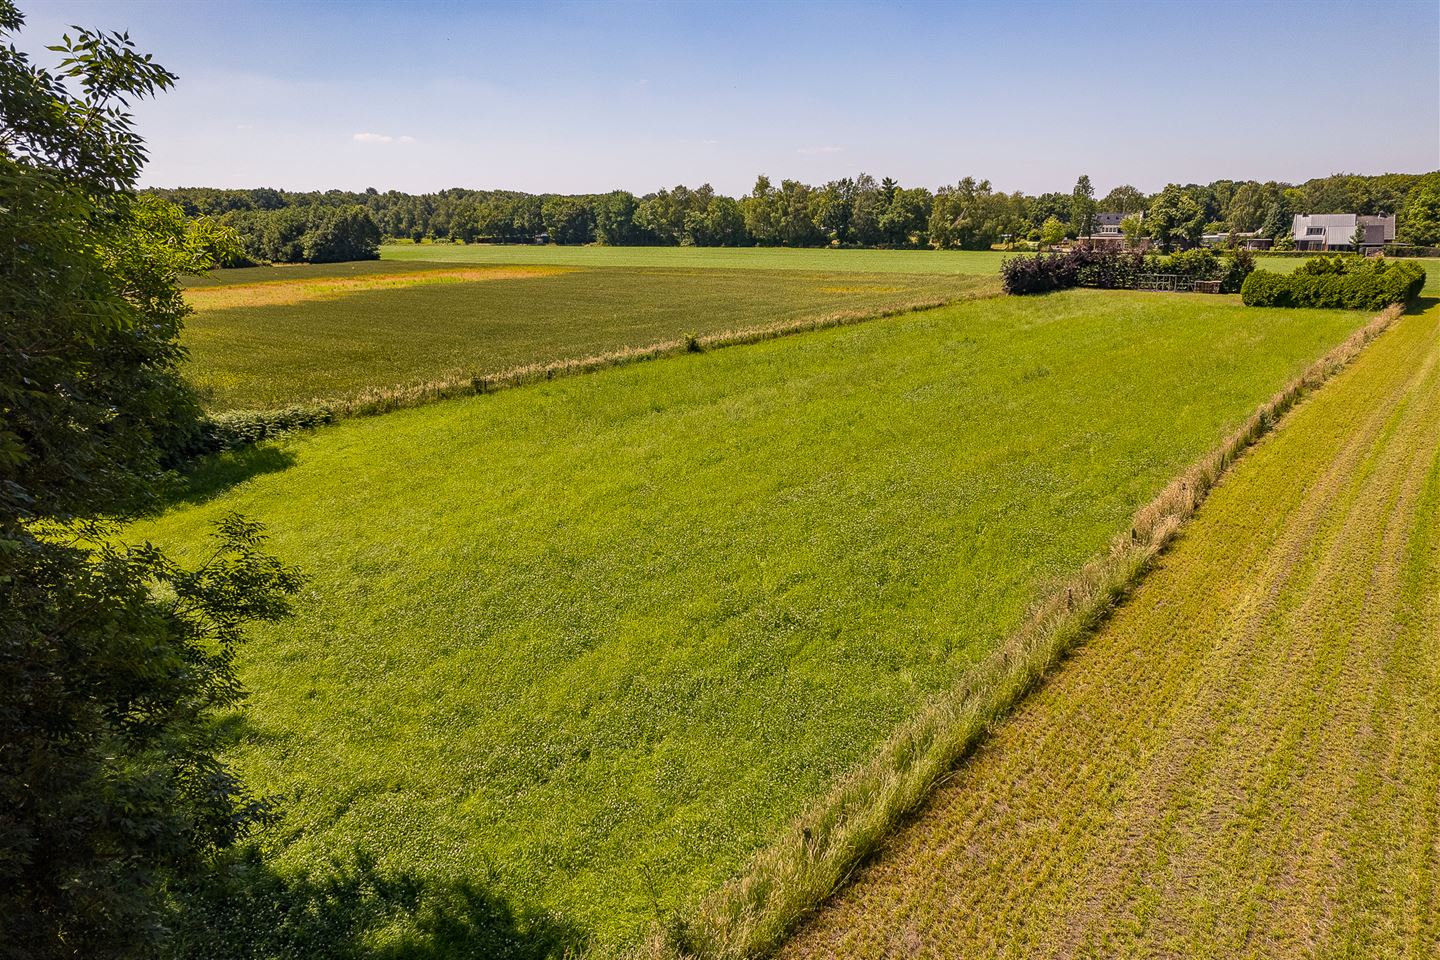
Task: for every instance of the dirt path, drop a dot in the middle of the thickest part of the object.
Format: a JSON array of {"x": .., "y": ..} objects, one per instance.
[{"x": 1246, "y": 762}]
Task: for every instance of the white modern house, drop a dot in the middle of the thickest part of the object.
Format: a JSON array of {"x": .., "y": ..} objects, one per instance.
[{"x": 1336, "y": 231}]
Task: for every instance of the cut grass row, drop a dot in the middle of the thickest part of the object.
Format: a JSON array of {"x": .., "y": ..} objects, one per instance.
[
  {"x": 594, "y": 643},
  {"x": 1244, "y": 762},
  {"x": 359, "y": 333}
]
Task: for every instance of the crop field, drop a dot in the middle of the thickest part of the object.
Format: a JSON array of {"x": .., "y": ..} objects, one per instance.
[
  {"x": 1246, "y": 761},
  {"x": 273, "y": 336},
  {"x": 571, "y": 653}
]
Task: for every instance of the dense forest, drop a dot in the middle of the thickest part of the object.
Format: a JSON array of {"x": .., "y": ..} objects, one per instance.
[{"x": 281, "y": 226}]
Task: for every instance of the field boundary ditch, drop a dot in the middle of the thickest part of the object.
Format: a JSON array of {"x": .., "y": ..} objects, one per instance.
[{"x": 750, "y": 916}]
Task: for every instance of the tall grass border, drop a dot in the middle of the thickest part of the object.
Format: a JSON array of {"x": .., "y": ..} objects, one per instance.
[{"x": 750, "y": 916}]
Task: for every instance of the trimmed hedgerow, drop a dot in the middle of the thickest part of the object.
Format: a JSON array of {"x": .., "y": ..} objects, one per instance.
[
  {"x": 1348, "y": 282},
  {"x": 1113, "y": 270}
]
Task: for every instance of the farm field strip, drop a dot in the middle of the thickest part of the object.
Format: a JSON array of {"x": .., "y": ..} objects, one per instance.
[
  {"x": 287, "y": 291},
  {"x": 627, "y": 626},
  {"x": 283, "y": 341},
  {"x": 1244, "y": 761}
]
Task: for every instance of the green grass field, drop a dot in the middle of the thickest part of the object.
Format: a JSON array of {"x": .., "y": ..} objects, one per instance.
[
  {"x": 272, "y": 336},
  {"x": 974, "y": 262},
  {"x": 572, "y": 652},
  {"x": 345, "y": 333},
  {"x": 1244, "y": 762}
]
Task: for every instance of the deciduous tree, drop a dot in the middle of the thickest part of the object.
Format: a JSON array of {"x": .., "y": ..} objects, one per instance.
[
  {"x": 113, "y": 660},
  {"x": 1420, "y": 220},
  {"x": 1082, "y": 207},
  {"x": 1124, "y": 199},
  {"x": 1052, "y": 231}
]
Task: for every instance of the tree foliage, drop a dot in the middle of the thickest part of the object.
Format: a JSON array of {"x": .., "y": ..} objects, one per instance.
[
  {"x": 1082, "y": 207},
  {"x": 1420, "y": 223},
  {"x": 1052, "y": 231},
  {"x": 309, "y": 234},
  {"x": 854, "y": 211},
  {"x": 113, "y": 660},
  {"x": 1176, "y": 218},
  {"x": 1124, "y": 199}
]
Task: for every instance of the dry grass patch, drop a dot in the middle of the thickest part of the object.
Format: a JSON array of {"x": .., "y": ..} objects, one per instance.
[{"x": 276, "y": 293}]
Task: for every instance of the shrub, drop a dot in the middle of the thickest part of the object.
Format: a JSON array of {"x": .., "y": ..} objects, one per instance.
[
  {"x": 1238, "y": 264},
  {"x": 1038, "y": 274},
  {"x": 1346, "y": 282},
  {"x": 242, "y": 428},
  {"x": 1107, "y": 270}
]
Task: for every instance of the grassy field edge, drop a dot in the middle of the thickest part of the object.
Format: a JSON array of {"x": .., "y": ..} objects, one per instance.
[
  {"x": 384, "y": 400},
  {"x": 751, "y": 915}
]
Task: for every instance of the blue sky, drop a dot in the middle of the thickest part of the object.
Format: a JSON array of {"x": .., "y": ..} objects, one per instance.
[{"x": 581, "y": 97}]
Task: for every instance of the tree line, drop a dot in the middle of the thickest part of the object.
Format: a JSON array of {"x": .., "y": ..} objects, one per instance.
[{"x": 285, "y": 226}]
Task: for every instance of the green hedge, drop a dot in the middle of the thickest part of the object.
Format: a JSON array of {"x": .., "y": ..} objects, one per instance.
[
  {"x": 1348, "y": 282},
  {"x": 241, "y": 428}
]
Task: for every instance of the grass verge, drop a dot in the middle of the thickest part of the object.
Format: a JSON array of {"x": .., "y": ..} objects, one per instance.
[{"x": 751, "y": 915}]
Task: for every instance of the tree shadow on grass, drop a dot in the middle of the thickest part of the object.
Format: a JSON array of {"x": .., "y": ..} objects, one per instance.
[
  {"x": 1421, "y": 304},
  {"x": 210, "y": 476},
  {"x": 245, "y": 910}
]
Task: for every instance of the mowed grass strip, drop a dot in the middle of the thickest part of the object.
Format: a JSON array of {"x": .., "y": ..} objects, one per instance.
[
  {"x": 593, "y": 643},
  {"x": 381, "y": 333},
  {"x": 1244, "y": 762}
]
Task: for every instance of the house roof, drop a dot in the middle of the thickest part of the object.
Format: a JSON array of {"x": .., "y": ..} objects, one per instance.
[{"x": 1339, "y": 228}]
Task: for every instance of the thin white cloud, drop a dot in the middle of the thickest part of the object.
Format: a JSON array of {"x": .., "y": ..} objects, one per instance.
[
  {"x": 380, "y": 138},
  {"x": 709, "y": 141},
  {"x": 814, "y": 150}
]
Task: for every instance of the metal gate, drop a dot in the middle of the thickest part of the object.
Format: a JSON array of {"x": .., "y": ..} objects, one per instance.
[{"x": 1168, "y": 282}]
